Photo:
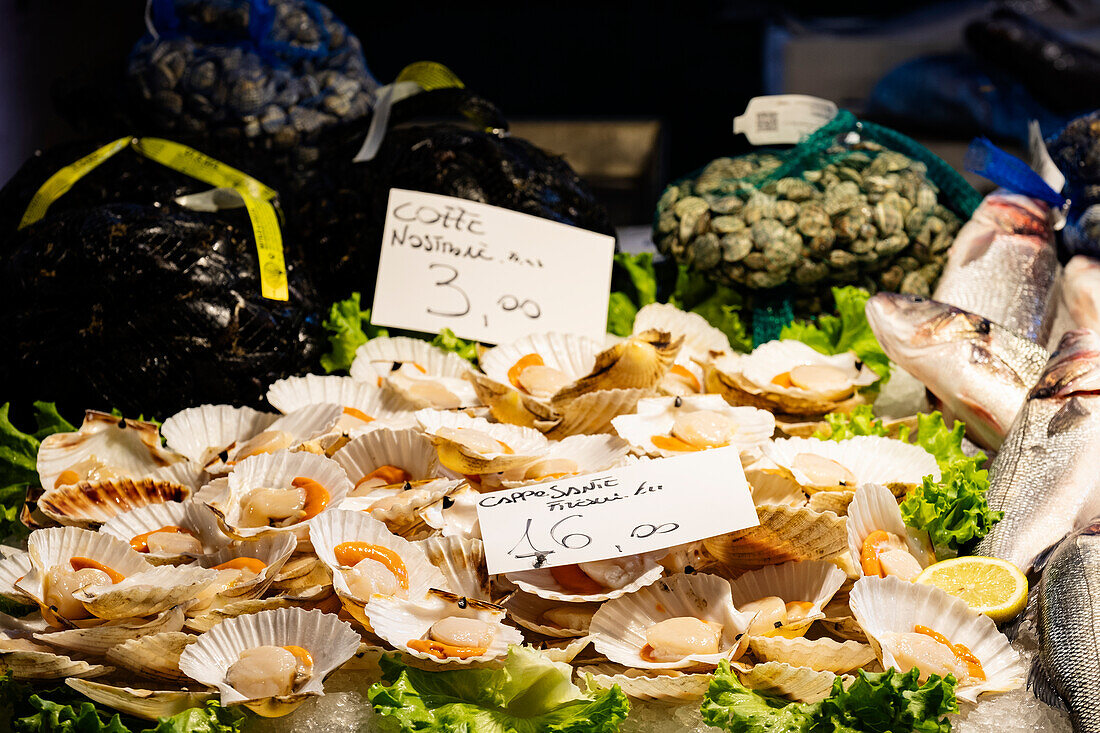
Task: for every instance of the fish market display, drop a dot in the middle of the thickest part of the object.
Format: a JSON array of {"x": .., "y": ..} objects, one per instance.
[
  {"x": 252, "y": 555},
  {"x": 1044, "y": 478},
  {"x": 979, "y": 371},
  {"x": 1067, "y": 629},
  {"x": 1003, "y": 264}
]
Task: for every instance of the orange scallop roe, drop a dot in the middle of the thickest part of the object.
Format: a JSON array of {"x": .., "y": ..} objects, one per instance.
[
  {"x": 83, "y": 563},
  {"x": 684, "y": 373},
  {"x": 524, "y": 362},
  {"x": 388, "y": 474},
  {"x": 140, "y": 543},
  {"x": 317, "y": 496},
  {"x": 670, "y": 442},
  {"x": 242, "y": 563},
  {"x": 349, "y": 554},
  {"x": 67, "y": 477},
  {"x": 304, "y": 658},
  {"x": 869, "y": 554},
  {"x": 961, "y": 652},
  {"x": 445, "y": 651},
  {"x": 358, "y": 414},
  {"x": 782, "y": 380},
  {"x": 574, "y": 580}
]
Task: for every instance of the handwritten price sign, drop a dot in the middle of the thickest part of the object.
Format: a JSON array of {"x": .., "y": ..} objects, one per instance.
[
  {"x": 488, "y": 273},
  {"x": 624, "y": 511}
]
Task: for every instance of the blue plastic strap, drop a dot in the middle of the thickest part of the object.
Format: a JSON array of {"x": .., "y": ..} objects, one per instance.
[{"x": 1008, "y": 171}]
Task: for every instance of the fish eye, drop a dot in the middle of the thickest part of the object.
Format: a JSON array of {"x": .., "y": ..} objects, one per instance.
[
  {"x": 919, "y": 299},
  {"x": 982, "y": 327}
]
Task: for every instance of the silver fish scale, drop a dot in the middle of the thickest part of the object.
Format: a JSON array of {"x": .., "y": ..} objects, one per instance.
[
  {"x": 1010, "y": 283},
  {"x": 1069, "y": 624},
  {"x": 1044, "y": 479}
]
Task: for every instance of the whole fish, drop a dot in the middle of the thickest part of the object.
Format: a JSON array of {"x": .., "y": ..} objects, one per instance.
[
  {"x": 1081, "y": 291},
  {"x": 1045, "y": 477},
  {"x": 1003, "y": 265},
  {"x": 978, "y": 370},
  {"x": 1067, "y": 670}
]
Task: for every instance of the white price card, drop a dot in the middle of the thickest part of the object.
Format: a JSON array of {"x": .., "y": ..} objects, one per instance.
[
  {"x": 488, "y": 273},
  {"x": 647, "y": 506}
]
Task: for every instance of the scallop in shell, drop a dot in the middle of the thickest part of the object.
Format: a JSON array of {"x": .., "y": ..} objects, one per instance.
[
  {"x": 30, "y": 660},
  {"x": 168, "y": 533},
  {"x": 550, "y": 618},
  {"x": 804, "y": 587},
  {"x": 577, "y": 454},
  {"x": 893, "y": 611},
  {"x": 473, "y": 445},
  {"x": 541, "y": 364},
  {"x": 288, "y": 432},
  {"x": 145, "y": 593},
  {"x": 593, "y": 581},
  {"x": 771, "y": 488},
  {"x": 234, "y": 658},
  {"x": 153, "y": 655},
  {"x": 669, "y": 686},
  {"x": 444, "y": 628},
  {"x": 784, "y": 534},
  {"x": 247, "y": 568},
  {"x": 455, "y": 515},
  {"x": 144, "y": 704},
  {"x": 822, "y": 655},
  {"x": 789, "y": 377},
  {"x": 878, "y": 539},
  {"x": 384, "y": 457},
  {"x": 639, "y": 362},
  {"x": 682, "y": 621},
  {"x": 674, "y": 426},
  {"x": 462, "y": 562},
  {"x": 402, "y": 506},
  {"x": 801, "y": 684},
  {"x": 593, "y": 412},
  {"x": 200, "y": 433},
  {"x": 96, "y": 640},
  {"x": 104, "y": 447},
  {"x": 14, "y": 568},
  {"x": 280, "y": 492},
  {"x": 421, "y": 375},
  {"x": 828, "y": 465},
  {"x": 369, "y": 562},
  {"x": 700, "y": 338},
  {"x": 89, "y": 504}
]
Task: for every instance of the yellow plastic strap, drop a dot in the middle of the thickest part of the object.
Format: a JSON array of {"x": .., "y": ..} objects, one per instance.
[
  {"x": 203, "y": 167},
  {"x": 269, "y": 247},
  {"x": 430, "y": 75},
  {"x": 59, "y": 183}
]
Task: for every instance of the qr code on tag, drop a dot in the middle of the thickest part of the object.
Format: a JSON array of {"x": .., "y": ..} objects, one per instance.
[{"x": 767, "y": 121}]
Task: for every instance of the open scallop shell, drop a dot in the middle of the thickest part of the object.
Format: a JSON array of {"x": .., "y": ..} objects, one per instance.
[
  {"x": 276, "y": 471},
  {"x": 144, "y": 704},
  {"x": 146, "y": 593},
  {"x": 104, "y": 447},
  {"x": 886, "y": 606},
  {"x": 784, "y": 534},
  {"x": 655, "y": 416},
  {"x": 836, "y": 502},
  {"x": 527, "y": 610},
  {"x": 329, "y": 641},
  {"x": 771, "y": 488},
  {"x": 747, "y": 380},
  {"x": 639, "y": 362},
  {"x": 192, "y": 516},
  {"x": 399, "y": 621},
  {"x": 870, "y": 459},
  {"x": 376, "y": 359},
  {"x": 572, "y": 355},
  {"x": 618, "y": 628},
  {"x": 455, "y": 515},
  {"x": 339, "y": 526},
  {"x": 822, "y": 655},
  {"x": 699, "y": 336},
  {"x": 272, "y": 549},
  {"x": 668, "y": 686},
  {"x": 800, "y": 684},
  {"x": 30, "y": 660},
  {"x": 593, "y": 412},
  {"x": 301, "y": 573},
  {"x": 12, "y": 569},
  {"x": 154, "y": 655},
  {"x": 56, "y": 546},
  {"x": 462, "y": 562},
  {"x": 200, "y": 433},
  {"x": 91, "y": 503},
  {"x": 577, "y": 454},
  {"x": 405, "y": 449},
  {"x": 96, "y": 640},
  {"x": 293, "y": 393},
  {"x": 524, "y": 443},
  {"x": 814, "y": 581},
  {"x": 541, "y": 582},
  {"x": 874, "y": 507},
  {"x": 401, "y": 506}
]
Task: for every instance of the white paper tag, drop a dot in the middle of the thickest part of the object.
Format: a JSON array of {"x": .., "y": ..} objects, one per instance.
[
  {"x": 488, "y": 273},
  {"x": 624, "y": 511},
  {"x": 1043, "y": 164},
  {"x": 783, "y": 119}
]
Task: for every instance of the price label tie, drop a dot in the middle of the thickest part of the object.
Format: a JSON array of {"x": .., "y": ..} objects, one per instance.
[
  {"x": 624, "y": 511},
  {"x": 488, "y": 273}
]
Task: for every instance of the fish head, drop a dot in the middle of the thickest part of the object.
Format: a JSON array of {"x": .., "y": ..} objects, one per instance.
[
  {"x": 1016, "y": 214},
  {"x": 910, "y": 327},
  {"x": 1073, "y": 369}
]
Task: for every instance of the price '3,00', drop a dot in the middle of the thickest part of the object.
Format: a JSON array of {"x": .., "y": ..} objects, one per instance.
[{"x": 507, "y": 303}]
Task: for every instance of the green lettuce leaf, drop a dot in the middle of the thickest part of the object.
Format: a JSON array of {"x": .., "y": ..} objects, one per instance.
[
  {"x": 211, "y": 718},
  {"x": 642, "y": 274},
  {"x": 349, "y": 328},
  {"x": 888, "y": 702},
  {"x": 620, "y": 314},
  {"x": 942, "y": 442},
  {"x": 530, "y": 694},
  {"x": 846, "y": 331},
  {"x": 844, "y": 425},
  {"x": 719, "y": 305},
  {"x": 953, "y": 510},
  {"x": 447, "y": 341},
  {"x": 18, "y": 461}
]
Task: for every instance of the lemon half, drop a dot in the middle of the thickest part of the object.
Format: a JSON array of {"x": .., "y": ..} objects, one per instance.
[{"x": 990, "y": 586}]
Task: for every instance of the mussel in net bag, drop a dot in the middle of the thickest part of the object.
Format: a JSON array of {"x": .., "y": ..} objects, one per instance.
[
  {"x": 444, "y": 141},
  {"x": 121, "y": 297}
]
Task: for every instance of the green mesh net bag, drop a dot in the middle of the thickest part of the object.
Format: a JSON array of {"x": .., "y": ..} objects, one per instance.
[{"x": 853, "y": 204}]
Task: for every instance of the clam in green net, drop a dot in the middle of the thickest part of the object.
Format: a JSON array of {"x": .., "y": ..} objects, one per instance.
[{"x": 853, "y": 204}]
